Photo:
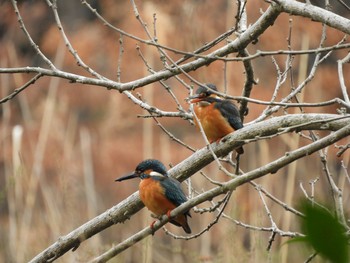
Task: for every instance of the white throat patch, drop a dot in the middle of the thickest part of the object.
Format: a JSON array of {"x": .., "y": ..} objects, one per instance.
[{"x": 154, "y": 173}]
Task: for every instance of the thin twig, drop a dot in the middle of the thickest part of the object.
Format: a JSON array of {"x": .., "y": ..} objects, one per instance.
[
  {"x": 277, "y": 201},
  {"x": 172, "y": 137},
  {"x": 19, "y": 90},
  {"x": 209, "y": 226},
  {"x": 74, "y": 53},
  {"x": 112, "y": 216},
  {"x": 31, "y": 41},
  {"x": 343, "y": 88}
]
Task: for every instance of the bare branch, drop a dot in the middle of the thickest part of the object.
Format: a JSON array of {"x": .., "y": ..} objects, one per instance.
[
  {"x": 171, "y": 136},
  {"x": 154, "y": 111},
  {"x": 344, "y": 4},
  {"x": 260, "y": 53},
  {"x": 74, "y": 53},
  {"x": 264, "y": 229},
  {"x": 248, "y": 86},
  {"x": 233, "y": 184},
  {"x": 252, "y": 32},
  {"x": 315, "y": 13},
  {"x": 344, "y": 90},
  {"x": 284, "y": 98},
  {"x": 277, "y": 201},
  {"x": 194, "y": 163},
  {"x": 336, "y": 192},
  {"x": 19, "y": 90},
  {"x": 210, "y": 225},
  {"x": 31, "y": 41}
]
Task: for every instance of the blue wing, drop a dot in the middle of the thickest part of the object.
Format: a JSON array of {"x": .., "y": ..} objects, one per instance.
[
  {"x": 173, "y": 192},
  {"x": 230, "y": 113}
]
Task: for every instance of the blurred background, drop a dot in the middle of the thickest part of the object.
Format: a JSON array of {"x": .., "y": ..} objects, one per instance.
[{"x": 62, "y": 144}]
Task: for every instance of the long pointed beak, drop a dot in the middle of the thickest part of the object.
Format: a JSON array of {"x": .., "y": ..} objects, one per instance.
[
  {"x": 194, "y": 99},
  {"x": 126, "y": 177}
]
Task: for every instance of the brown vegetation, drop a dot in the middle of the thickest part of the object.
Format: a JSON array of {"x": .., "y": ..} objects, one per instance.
[{"x": 76, "y": 139}]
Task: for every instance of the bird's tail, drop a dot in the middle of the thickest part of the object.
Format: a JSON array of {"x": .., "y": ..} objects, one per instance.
[{"x": 186, "y": 228}]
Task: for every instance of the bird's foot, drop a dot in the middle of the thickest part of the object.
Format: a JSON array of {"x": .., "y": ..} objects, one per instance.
[
  {"x": 152, "y": 227},
  {"x": 168, "y": 214}
]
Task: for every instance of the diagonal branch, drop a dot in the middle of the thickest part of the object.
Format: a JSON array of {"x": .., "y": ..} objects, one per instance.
[
  {"x": 27, "y": 34},
  {"x": 131, "y": 205},
  {"x": 20, "y": 89},
  {"x": 343, "y": 88},
  {"x": 253, "y": 32},
  {"x": 74, "y": 53},
  {"x": 230, "y": 186},
  {"x": 315, "y": 13}
]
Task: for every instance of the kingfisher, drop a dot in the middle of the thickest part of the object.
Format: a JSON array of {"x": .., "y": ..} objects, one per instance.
[
  {"x": 218, "y": 117},
  {"x": 159, "y": 192}
]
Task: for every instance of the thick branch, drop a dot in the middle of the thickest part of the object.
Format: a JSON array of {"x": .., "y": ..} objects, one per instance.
[
  {"x": 131, "y": 205},
  {"x": 253, "y": 32},
  {"x": 230, "y": 186},
  {"x": 315, "y": 13}
]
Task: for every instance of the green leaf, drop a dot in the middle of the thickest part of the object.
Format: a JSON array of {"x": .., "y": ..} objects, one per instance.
[{"x": 325, "y": 233}]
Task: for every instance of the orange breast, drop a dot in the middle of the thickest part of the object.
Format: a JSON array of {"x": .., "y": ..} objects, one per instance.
[
  {"x": 214, "y": 124},
  {"x": 153, "y": 197}
]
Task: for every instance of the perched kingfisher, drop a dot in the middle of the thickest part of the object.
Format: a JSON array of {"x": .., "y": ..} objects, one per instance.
[
  {"x": 218, "y": 117},
  {"x": 159, "y": 192}
]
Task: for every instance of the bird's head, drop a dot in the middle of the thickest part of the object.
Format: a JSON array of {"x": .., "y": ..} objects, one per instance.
[
  {"x": 203, "y": 92},
  {"x": 146, "y": 169}
]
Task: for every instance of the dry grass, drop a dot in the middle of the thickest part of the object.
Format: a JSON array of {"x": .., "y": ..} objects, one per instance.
[{"x": 62, "y": 146}]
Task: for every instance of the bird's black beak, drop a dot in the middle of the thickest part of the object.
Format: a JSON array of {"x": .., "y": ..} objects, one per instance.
[
  {"x": 127, "y": 177},
  {"x": 195, "y": 98}
]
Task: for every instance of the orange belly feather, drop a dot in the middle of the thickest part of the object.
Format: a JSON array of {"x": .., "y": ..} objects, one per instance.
[
  {"x": 214, "y": 124},
  {"x": 153, "y": 197}
]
